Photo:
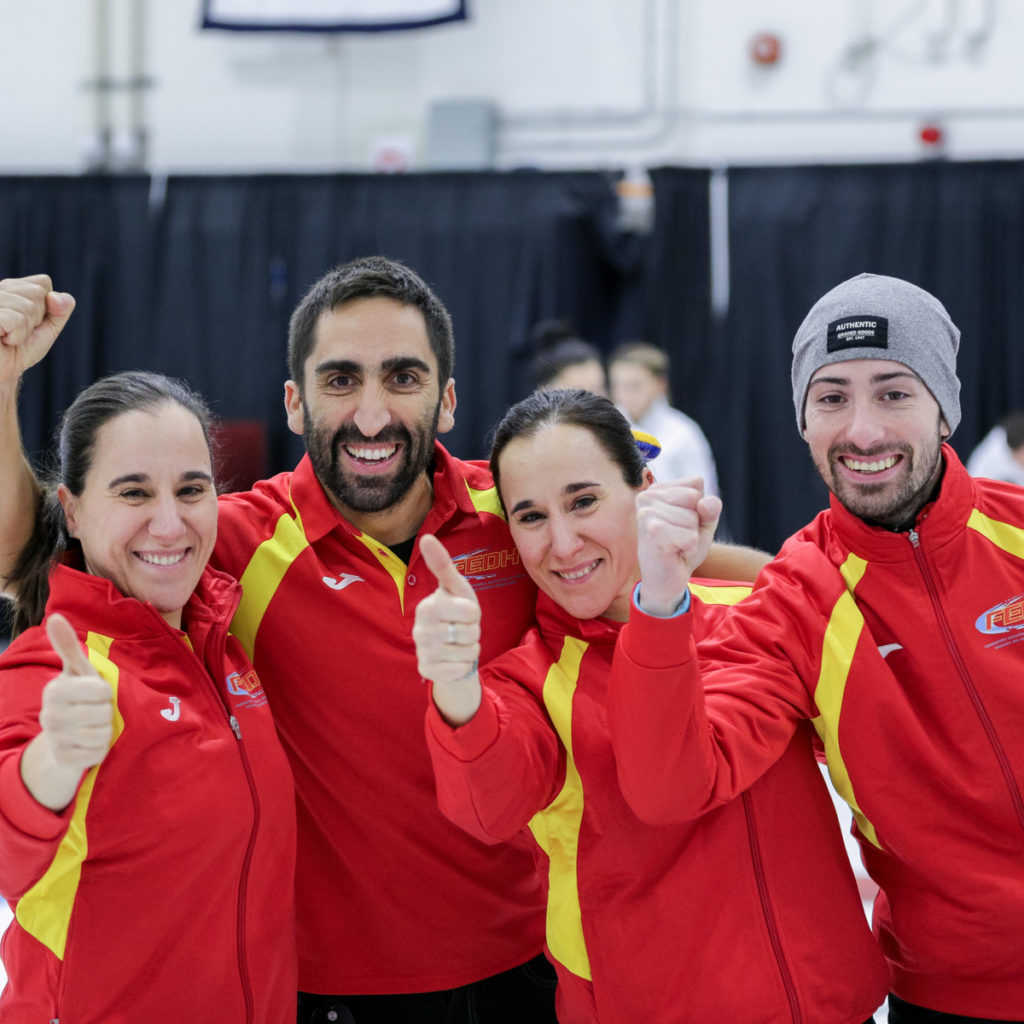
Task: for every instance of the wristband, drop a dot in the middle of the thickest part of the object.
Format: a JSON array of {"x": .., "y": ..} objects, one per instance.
[{"x": 681, "y": 609}]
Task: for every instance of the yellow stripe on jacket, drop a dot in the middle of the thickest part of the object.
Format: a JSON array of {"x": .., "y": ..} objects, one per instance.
[
  {"x": 263, "y": 575},
  {"x": 557, "y": 827},
  {"x": 839, "y": 645}
]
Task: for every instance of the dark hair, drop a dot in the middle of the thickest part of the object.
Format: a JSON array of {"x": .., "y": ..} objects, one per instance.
[
  {"x": 108, "y": 398},
  {"x": 576, "y": 408},
  {"x": 369, "y": 278},
  {"x": 557, "y": 346}
]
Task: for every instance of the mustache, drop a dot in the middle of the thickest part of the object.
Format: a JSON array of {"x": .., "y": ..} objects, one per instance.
[
  {"x": 347, "y": 434},
  {"x": 869, "y": 453}
]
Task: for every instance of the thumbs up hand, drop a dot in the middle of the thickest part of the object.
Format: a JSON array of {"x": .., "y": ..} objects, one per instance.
[
  {"x": 76, "y": 720},
  {"x": 447, "y": 635}
]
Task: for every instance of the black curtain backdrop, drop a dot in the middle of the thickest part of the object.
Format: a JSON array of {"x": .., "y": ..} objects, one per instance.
[
  {"x": 956, "y": 230},
  {"x": 234, "y": 256},
  {"x": 196, "y": 276},
  {"x": 92, "y": 235}
]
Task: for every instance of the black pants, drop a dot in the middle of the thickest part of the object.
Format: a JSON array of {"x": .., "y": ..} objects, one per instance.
[
  {"x": 524, "y": 995},
  {"x": 901, "y": 1012}
]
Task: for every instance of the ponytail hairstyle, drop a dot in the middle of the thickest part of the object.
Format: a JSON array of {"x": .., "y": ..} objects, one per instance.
[{"x": 108, "y": 398}]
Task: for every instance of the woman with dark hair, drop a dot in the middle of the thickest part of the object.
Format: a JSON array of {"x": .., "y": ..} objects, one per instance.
[
  {"x": 749, "y": 914},
  {"x": 147, "y": 823}
]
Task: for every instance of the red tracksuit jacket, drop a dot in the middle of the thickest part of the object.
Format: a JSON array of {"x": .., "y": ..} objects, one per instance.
[
  {"x": 164, "y": 892},
  {"x": 749, "y": 915},
  {"x": 906, "y": 650}
]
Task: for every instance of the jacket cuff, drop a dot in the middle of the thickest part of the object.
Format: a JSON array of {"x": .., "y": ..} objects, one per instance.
[
  {"x": 466, "y": 742},
  {"x": 654, "y": 642},
  {"x": 21, "y": 809}
]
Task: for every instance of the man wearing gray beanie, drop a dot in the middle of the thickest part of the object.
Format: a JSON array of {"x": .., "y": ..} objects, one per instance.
[{"x": 893, "y": 623}]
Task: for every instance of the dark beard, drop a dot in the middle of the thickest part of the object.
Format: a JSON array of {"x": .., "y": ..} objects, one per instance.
[
  {"x": 370, "y": 494},
  {"x": 881, "y": 505}
]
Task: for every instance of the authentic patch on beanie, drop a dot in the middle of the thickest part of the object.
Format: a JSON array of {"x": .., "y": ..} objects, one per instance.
[{"x": 876, "y": 317}]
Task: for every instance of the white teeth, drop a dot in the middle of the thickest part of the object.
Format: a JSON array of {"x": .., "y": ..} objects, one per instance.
[
  {"x": 162, "y": 559},
  {"x": 372, "y": 454},
  {"x": 870, "y": 467},
  {"x": 579, "y": 573}
]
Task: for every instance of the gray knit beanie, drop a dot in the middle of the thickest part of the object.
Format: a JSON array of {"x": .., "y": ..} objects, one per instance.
[{"x": 873, "y": 317}]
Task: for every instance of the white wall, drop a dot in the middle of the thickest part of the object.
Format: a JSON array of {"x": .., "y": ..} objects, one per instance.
[{"x": 575, "y": 83}]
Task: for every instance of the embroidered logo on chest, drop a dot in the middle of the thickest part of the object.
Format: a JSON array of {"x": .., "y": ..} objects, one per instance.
[
  {"x": 346, "y": 579},
  {"x": 1003, "y": 617},
  {"x": 1005, "y": 620},
  {"x": 247, "y": 686},
  {"x": 487, "y": 569}
]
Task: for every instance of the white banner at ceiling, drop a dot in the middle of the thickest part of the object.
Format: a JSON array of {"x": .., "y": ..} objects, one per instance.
[{"x": 329, "y": 15}]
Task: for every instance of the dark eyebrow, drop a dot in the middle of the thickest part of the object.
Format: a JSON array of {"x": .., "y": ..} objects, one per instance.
[
  {"x": 404, "y": 363},
  {"x": 128, "y": 478},
  {"x": 567, "y": 489},
  {"x": 143, "y": 478},
  {"x": 878, "y": 378},
  {"x": 388, "y": 366},
  {"x": 336, "y": 365},
  {"x": 881, "y": 378}
]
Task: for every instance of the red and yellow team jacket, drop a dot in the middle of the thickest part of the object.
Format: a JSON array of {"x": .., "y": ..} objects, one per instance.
[
  {"x": 749, "y": 914},
  {"x": 391, "y": 896},
  {"x": 906, "y": 650},
  {"x": 163, "y": 893}
]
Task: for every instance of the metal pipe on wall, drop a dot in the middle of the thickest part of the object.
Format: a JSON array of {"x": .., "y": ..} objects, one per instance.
[{"x": 98, "y": 144}]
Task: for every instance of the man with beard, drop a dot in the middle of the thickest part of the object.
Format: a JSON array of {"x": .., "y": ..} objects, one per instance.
[
  {"x": 402, "y": 917},
  {"x": 895, "y": 622}
]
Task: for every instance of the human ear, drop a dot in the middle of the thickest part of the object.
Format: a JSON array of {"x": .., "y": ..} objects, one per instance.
[
  {"x": 446, "y": 416},
  {"x": 69, "y": 504},
  {"x": 293, "y": 407}
]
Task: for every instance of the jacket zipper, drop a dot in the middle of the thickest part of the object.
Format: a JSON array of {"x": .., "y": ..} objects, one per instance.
[
  {"x": 972, "y": 692},
  {"x": 243, "y": 880},
  {"x": 769, "y": 914},
  {"x": 243, "y": 884}
]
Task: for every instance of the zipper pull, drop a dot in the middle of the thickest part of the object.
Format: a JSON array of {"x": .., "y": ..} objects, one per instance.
[
  {"x": 235, "y": 727},
  {"x": 915, "y": 537}
]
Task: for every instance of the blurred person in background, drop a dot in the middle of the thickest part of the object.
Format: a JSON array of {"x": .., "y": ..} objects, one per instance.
[
  {"x": 562, "y": 359},
  {"x": 639, "y": 376},
  {"x": 1000, "y": 454}
]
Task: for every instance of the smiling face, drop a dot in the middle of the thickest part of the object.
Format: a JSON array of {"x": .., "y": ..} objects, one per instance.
[
  {"x": 573, "y": 518},
  {"x": 875, "y": 434},
  {"x": 147, "y": 515},
  {"x": 369, "y": 409}
]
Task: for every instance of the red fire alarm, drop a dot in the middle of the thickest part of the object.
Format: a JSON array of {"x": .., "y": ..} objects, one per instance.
[{"x": 765, "y": 48}]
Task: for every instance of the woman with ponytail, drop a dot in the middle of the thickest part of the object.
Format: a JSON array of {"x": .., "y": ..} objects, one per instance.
[
  {"x": 749, "y": 914},
  {"x": 146, "y": 807}
]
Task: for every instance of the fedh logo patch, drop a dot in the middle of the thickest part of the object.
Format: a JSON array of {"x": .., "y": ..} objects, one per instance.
[
  {"x": 488, "y": 569},
  {"x": 1004, "y": 620},
  {"x": 247, "y": 684}
]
